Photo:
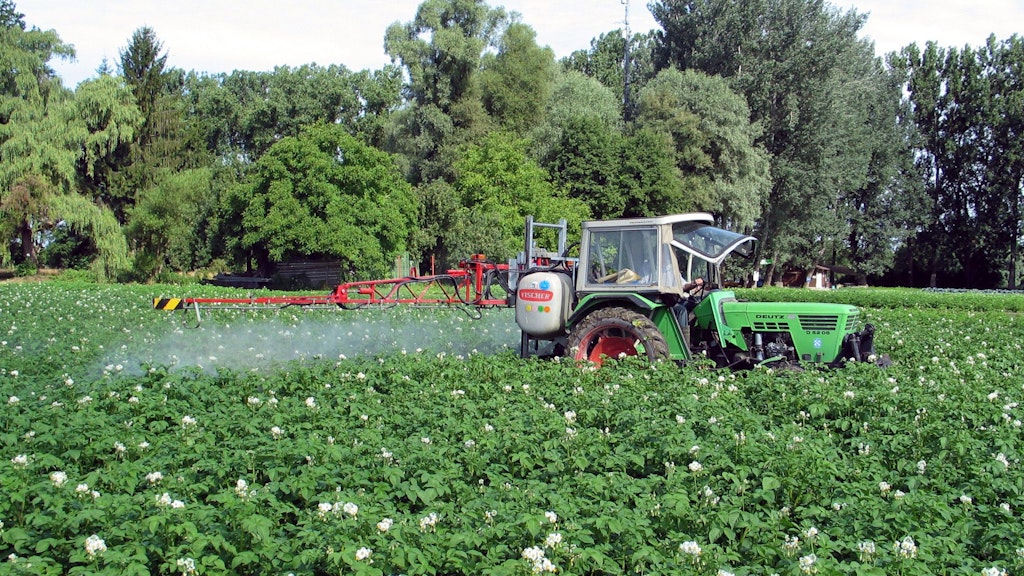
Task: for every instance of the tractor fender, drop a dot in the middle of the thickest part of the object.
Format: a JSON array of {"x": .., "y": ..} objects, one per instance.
[{"x": 591, "y": 302}]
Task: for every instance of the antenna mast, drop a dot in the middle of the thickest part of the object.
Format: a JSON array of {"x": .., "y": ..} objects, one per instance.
[{"x": 628, "y": 37}]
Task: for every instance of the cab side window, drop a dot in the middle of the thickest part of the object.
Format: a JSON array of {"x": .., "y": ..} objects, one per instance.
[{"x": 623, "y": 257}]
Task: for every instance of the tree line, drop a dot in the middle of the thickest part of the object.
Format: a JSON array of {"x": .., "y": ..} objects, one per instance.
[{"x": 773, "y": 115}]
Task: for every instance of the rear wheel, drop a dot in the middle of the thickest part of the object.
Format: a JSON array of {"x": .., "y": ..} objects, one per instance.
[{"x": 615, "y": 332}]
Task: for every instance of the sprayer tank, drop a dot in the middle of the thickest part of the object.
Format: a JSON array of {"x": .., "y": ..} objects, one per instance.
[{"x": 543, "y": 303}]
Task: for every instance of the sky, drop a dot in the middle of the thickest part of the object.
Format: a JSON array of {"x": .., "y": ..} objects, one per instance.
[{"x": 225, "y": 35}]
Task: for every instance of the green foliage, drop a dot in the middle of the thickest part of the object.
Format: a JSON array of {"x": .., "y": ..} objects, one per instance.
[
  {"x": 162, "y": 224},
  {"x": 442, "y": 46},
  {"x": 604, "y": 62},
  {"x": 720, "y": 150},
  {"x": 498, "y": 187},
  {"x": 882, "y": 197},
  {"x": 142, "y": 65},
  {"x": 9, "y": 15},
  {"x": 165, "y": 142},
  {"x": 474, "y": 459},
  {"x": 243, "y": 113},
  {"x": 379, "y": 93},
  {"x": 113, "y": 123},
  {"x": 517, "y": 81},
  {"x": 441, "y": 50},
  {"x": 325, "y": 194},
  {"x": 575, "y": 97},
  {"x": 791, "y": 60},
  {"x": 660, "y": 109},
  {"x": 618, "y": 175},
  {"x": 67, "y": 249},
  {"x": 111, "y": 118},
  {"x": 586, "y": 163},
  {"x": 25, "y": 269},
  {"x": 965, "y": 104},
  {"x": 649, "y": 177},
  {"x": 40, "y": 134},
  {"x": 100, "y": 225}
]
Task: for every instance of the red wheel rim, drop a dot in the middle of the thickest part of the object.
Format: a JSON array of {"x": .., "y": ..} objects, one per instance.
[{"x": 600, "y": 342}]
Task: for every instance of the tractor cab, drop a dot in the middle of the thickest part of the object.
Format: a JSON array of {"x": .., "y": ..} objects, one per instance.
[{"x": 655, "y": 255}]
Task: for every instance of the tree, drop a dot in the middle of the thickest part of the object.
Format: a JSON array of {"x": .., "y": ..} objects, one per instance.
[
  {"x": 113, "y": 122},
  {"x": 9, "y": 15},
  {"x": 45, "y": 131},
  {"x": 142, "y": 65},
  {"x": 786, "y": 58},
  {"x": 104, "y": 231},
  {"x": 379, "y": 93},
  {"x": 325, "y": 194},
  {"x": 574, "y": 97},
  {"x": 921, "y": 73},
  {"x": 498, "y": 186},
  {"x": 517, "y": 81},
  {"x": 585, "y": 162},
  {"x": 880, "y": 193},
  {"x": 618, "y": 175},
  {"x": 716, "y": 142},
  {"x": 441, "y": 51},
  {"x": 38, "y": 135},
  {"x": 648, "y": 176},
  {"x": 242, "y": 114},
  {"x": 966, "y": 104},
  {"x": 164, "y": 143},
  {"x": 606, "y": 61},
  {"x": 1004, "y": 61},
  {"x": 162, "y": 223}
]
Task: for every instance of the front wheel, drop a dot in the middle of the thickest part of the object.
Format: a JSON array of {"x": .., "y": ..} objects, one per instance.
[{"x": 616, "y": 332}]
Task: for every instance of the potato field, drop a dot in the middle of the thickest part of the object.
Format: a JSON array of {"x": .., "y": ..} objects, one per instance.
[{"x": 416, "y": 441}]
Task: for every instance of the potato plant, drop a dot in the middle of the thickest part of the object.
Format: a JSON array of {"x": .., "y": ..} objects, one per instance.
[{"x": 415, "y": 442}]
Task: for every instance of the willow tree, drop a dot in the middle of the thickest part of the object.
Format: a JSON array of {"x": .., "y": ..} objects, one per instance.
[{"x": 42, "y": 139}]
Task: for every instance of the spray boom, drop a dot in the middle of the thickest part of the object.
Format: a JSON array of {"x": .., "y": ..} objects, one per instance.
[{"x": 476, "y": 283}]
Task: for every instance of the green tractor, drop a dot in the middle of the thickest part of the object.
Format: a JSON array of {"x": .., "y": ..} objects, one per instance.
[{"x": 627, "y": 295}]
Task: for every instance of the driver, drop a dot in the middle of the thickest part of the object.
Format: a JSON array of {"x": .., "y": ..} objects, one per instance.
[
  {"x": 696, "y": 285},
  {"x": 686, "y": 306}
]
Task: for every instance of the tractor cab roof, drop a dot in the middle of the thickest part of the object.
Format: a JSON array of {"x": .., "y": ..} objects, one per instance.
[{"x": 651, "y": 221}]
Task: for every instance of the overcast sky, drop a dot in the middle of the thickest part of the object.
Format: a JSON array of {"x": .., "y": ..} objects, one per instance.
[{"x": 225, "y": 35}]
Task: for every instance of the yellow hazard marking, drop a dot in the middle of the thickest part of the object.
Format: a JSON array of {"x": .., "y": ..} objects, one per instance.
[{"x": 168, "y": 303}]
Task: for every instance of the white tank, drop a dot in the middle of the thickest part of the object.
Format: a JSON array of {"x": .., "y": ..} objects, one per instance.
[{"x": 542, "y": 304}]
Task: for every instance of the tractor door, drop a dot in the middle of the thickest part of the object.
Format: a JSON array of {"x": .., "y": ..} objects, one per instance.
[{"x": 701, "y": 248}]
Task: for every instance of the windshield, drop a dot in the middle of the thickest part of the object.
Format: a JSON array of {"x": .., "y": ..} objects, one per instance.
[{"x": 709, "y": 242}]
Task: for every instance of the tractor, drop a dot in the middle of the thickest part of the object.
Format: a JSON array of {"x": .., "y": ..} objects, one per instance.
[{"x": 627, "y": 295}]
